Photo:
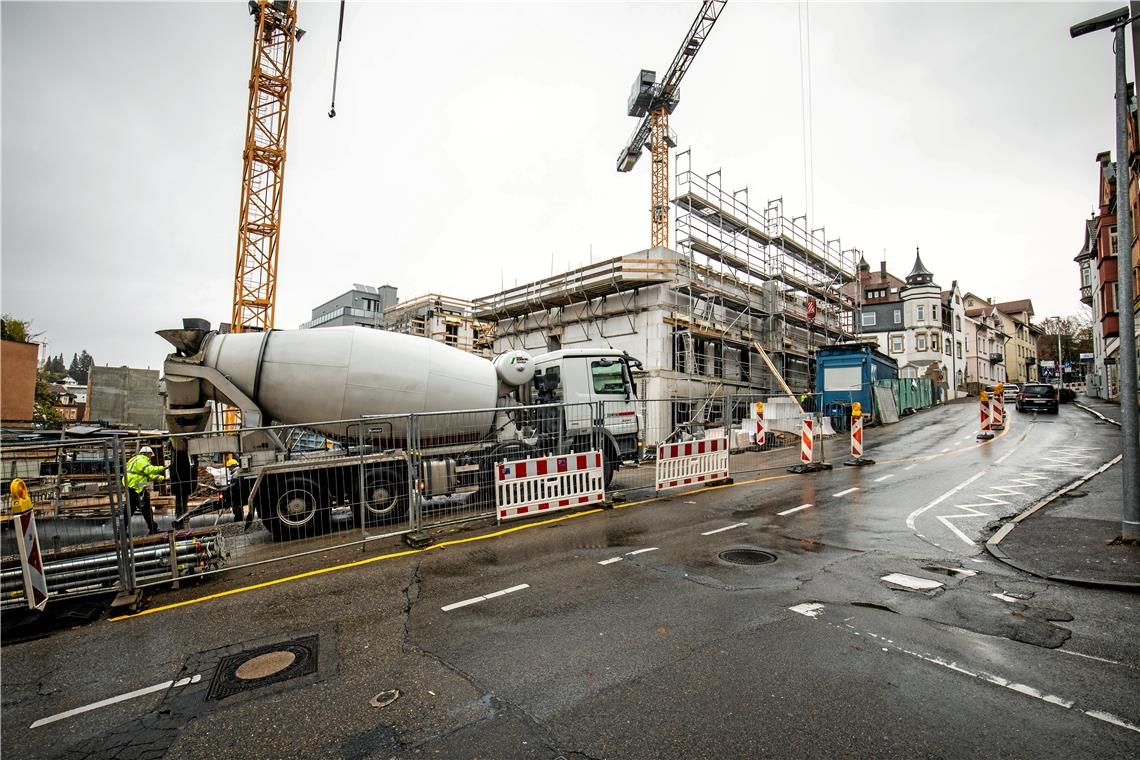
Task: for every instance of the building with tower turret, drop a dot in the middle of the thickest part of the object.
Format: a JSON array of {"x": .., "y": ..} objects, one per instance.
[{"x": 914, "y": 322}]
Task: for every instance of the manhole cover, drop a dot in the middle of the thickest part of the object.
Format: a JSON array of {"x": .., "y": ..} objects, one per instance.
[
  {"x": 747, "y": 556},
  {"x": 263, "y": 666}
]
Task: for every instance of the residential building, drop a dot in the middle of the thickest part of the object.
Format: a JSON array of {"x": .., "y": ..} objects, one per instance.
[
  {"x": 913, "y": 321},
  {"x": 1096, "y": 373},
  {"x": 985, "y": 339},
  {"x": 1021, "y": 345},
  {"x": 363, "y": 306}
]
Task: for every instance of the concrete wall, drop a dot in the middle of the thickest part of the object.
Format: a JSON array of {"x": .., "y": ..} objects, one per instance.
[
  {"x": 126, "y": 397},
  {"x": 17, "y": 379}
]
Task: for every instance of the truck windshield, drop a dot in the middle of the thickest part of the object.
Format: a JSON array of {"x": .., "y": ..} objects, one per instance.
[{"x": 607, "y": 376}]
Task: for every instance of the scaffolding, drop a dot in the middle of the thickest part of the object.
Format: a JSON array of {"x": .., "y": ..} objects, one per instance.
[
  {"x": 445, "y": 319},
  {"x": 791, "y": 276},
  {"x": 740, "y": 278}
]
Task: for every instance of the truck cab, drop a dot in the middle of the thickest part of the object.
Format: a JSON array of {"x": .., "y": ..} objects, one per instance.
[{"x": 596, "y": 384}]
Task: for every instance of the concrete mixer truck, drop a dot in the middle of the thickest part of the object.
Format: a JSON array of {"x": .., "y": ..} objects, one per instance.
[{"x": 356, "y": 386}]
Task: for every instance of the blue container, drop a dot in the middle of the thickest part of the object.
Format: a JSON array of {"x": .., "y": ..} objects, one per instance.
[{"x": 845, "y": 373}]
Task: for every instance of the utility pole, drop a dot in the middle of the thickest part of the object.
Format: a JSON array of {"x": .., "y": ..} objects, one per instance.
[{"x": 1118, "y": 20}]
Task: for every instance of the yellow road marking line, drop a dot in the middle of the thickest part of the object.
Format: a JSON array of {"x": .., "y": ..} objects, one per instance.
[{"x": 409, "y": 552}]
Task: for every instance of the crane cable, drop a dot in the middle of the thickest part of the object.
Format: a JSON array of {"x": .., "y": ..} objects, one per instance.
[{"x": 336, "y": 64}]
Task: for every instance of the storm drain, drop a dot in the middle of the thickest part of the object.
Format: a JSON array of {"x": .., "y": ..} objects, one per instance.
[
  {"x": 263, "y": 666},
  {"x": 747, "y": 556}
]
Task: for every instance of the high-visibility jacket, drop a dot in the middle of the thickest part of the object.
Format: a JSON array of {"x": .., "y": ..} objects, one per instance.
[{"x": 140, "y": 472}]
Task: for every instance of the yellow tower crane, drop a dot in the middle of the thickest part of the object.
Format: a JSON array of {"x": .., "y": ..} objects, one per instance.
[
  {"x": 653, "y": 101},
  {"x": 263, "y": 173}
]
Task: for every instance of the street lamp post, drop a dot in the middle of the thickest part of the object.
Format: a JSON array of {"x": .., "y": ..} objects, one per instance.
[{"x": 1117, "y": 20}]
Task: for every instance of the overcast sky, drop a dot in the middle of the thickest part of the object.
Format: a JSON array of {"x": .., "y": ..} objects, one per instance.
[{"x": 476, "y": 142}]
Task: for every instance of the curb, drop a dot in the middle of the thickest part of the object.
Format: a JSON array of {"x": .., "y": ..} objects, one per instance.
[
  {"x": 995, "y": 550},
  {"x": 1095, "y": 413}
]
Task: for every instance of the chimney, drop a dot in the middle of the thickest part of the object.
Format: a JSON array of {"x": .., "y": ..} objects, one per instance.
[{"x": 883, "y": 269}]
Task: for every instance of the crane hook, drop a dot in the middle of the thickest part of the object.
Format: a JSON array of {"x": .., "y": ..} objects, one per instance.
[{"x": 336, "y": 64}]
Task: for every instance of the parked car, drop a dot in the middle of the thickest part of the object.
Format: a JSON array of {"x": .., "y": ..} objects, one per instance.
[
  {"x": 1009, "y": 392},
  {"x": 1037, "y": 397}
]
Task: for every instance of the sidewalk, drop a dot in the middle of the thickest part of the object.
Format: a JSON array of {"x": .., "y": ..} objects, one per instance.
[{"x": 1072, "y": 537}]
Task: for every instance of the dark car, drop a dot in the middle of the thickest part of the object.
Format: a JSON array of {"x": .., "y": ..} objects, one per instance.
[{"x": 1037, "y": 397}]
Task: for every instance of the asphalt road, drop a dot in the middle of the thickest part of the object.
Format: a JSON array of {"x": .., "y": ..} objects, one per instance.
[{"x": 625, "y": 633}]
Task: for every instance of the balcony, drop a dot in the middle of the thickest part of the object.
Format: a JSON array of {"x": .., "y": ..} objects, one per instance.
[
  {"x": 1086, "y": 295},
  {"x": 997, "y": 358}
]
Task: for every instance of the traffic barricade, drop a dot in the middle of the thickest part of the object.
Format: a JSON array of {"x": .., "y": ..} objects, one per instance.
[
  {"x": 548, "y": 484},
  {"x": 689, "y": 462}
]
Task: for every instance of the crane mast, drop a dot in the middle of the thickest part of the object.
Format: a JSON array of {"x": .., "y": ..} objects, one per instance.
[
  {"x": 263, "y": 173},
  {"x": 653, "y": 101}
]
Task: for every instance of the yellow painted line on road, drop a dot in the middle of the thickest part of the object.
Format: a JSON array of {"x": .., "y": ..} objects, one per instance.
[
  {"x": 409, "y": 552},
  {"x": 997, "y": 435},
  {"x": 349, "y": 565}
]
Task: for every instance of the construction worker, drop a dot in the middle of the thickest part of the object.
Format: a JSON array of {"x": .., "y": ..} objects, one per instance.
[
  {"x": 806, "y": 401},
  {"x": 140, "y": 473}
]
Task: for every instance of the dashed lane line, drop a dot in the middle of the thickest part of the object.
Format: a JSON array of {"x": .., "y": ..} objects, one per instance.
[
  {"x": 610, "y": 561},
  {"x": 884, "y": 477},
  {"x": 793, "y": 509},
  {"x": 813, "y": 610},
  {"x": 120, "y": 698},
  {"x": 641, "y": 551},
  {"x": 844, "y": 492},
  {"x": 722, "y": 530},
  {"x": 485, "y": 597}
]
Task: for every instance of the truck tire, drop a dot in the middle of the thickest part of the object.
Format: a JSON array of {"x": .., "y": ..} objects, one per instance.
[
  {"x": 296, "y": 508},
  {"x": 385, "y": 499}
]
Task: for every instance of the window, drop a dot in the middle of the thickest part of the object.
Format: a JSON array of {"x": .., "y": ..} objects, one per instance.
[
  {"x": 896, "y": 344},
  {"x": 607, "y": 376},
  {"x": 1112, "y": 240},
  {"x": 920, "y": 313},
  {"x": 920, "y": 341},
  {"x": 959, "y": 349},
  {"x": 947, "y": 351},
  {"x": 957, "y": 323},
  {"x": 898, "y": 316},
  {"x": 868, "y": 319},
  {"x": 934, "y": 313}
]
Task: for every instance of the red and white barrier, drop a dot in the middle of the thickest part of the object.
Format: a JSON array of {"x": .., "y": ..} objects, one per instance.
[
  {"x": 548, "y": 484},
  {"x": 998, "y": 412},
  {"x": 856, "y": 437},
  {"x": 986, "y": 420},
  {"x": 807, "y": 439},
  {"x": 28, "y": 543},
  {"x": 682, "y": 464}
]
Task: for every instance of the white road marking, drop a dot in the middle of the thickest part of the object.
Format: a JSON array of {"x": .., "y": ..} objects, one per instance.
[
  {"x": 610, "y": 561},
  {"x": 1110, "y": 718},
  {"x": 641, "y": 551},
  {"x": 844, "y": 493},
  {"x": 485, "y": 597},
  {"x": 1020, "y": 688},
  {"x": 810, "y": 609},
  {"x": 909, "y": 581},
  {"x": 911, "y": 466},
  {"x": 884, "y": 477},
  {"x": 911, "y": 517},
  {"x": 1090, "y": 657},
  {"x": 944, "y": 450},
  {"x": 115, "y": 700},
  {"x": 1006, "y": 598},
  {"x": 722, "y": 530},
  {"x": 793, "y": 509}
]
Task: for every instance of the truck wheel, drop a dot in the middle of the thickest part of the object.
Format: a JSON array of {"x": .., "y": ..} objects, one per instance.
[
  {"x": 296, "y": 509},
  {"x": 385, "y": 499}
]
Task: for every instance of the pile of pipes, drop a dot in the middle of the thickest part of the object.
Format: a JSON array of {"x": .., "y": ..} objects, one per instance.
[{"x": 100, "y": 572}]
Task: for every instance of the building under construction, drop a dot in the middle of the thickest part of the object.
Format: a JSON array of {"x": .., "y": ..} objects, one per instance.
[{"x": 747, "y": 293}]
